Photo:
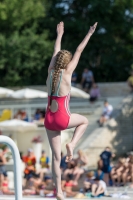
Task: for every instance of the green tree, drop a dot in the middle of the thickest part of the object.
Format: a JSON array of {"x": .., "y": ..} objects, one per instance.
[
  {"x": 24, "y": 48},
  {"x": 28, "y": 33},
  {"x": 109, "y": 53}
]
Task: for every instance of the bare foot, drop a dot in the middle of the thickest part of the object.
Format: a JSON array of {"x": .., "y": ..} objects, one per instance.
[
  {"x": 69, "y": 156},
  {"x": 60, "y": 197}
]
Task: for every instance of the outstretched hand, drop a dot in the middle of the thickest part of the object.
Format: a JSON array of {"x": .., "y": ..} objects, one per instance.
[
  {"x": 92, "y": 28},
  {"x": 60, "y": 28}
]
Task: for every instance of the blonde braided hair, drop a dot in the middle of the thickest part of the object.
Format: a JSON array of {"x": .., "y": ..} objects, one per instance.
[{"x": 63, "y": 57}]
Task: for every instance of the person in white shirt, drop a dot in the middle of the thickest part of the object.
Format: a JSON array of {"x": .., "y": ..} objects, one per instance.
[
  {"x": 98, "y": 188},
  {"x": 107, "y": 113}
]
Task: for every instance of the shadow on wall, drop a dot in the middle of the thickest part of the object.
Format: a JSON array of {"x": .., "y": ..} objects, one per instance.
[{"x": 122, "y": 142}]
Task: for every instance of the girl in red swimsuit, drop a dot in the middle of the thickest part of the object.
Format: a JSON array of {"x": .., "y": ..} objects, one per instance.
[{"x": 58, "y": 116}]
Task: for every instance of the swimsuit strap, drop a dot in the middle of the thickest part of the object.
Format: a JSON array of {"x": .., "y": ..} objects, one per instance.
[
  {"x": 59, "y": 83},
  {"x": 51, "y": 78},
  {"x": 51, "y": 81}
]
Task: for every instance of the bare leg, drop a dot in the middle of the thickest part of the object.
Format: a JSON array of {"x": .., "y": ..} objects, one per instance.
[
  {"x": 55, "y": 143},
  {"x": 102, "y": 120},
  {"x": 132, "y": 177},
  {"x": 81, "y": 123},
  {"x": 106, "y": 178},
  {"x": 93, "y": 189},
  {"x": 124, "y": 178},
  {"x": 100, "y": 190},
  {"x": 78, "y": 172},
  {"x": 119, "y": 178},
  {"x": 114, "y": 178},
  {"x": 1, "y": 180}
]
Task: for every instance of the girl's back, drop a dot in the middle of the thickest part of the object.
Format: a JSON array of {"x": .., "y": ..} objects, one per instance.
[{"x": 62, "y": 85}]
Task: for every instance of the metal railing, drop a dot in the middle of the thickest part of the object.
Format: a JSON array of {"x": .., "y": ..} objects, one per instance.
[{"x": 17, "y": 165}]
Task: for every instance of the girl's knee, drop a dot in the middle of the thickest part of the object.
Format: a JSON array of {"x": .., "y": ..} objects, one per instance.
[{"x": 86, "y": 121}]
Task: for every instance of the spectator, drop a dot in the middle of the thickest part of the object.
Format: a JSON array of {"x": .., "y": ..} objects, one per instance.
[
  {"x": 90, "y": 176},
  {"x": 5, "y": 187},
  {"x": 32, "y": 185},
  {"x": 130, "y": 81},
  {"x": 42, "y": 117},
  {"x": 68, "y": 186},
  {"x": 94, "y": 184},
  {"x": 74, "y": 79},
  {"x": 94, "y": 93},
  {"x": 99, "y": 174},
  {"x": 105, "y": 157},
  {"x": 37, "y": 115},
  {"x": 118, "y": 172},
  {"x": 98, "y": 188},
  {"x": 63, "y": 164},
  {"x": 87, "y": 79},
  {"x": 81, "y": 160},
  {"x": 30, "y": 162},
  {"x": 130, "y": 158},
  {"x": 44, "y": 162},
  {"x": 46, "y": 188},
  {"x": 74, "y": 170},
  {"x": 107, "y": 113},
  {"x": 21, "y": 115},
  {"x": 2, "y": 168}
]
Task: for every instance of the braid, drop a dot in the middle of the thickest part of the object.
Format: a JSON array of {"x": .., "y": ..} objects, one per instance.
[{"x": 62, "y": 59}]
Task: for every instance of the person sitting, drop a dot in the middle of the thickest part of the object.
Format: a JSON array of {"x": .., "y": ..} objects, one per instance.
[
  {"x": 94, "y": 185},
  {"x": 89, "y": 180},
  {"x": 21, "y": 115},
  {"x": 94, "y": 93},
  {"x": 130, "y": 81},
  {"x": 32, "y": 185},
  {"x": 68, "y": 185},
  {"x": 81, "y": 160},
  {"x": 44, "y": 162},
  {"x": 75, "y": 170},
  {"x": 98, "y": 188},
  {"x": 2, "y": 167},
  {"x": 46, "y": 187},
  {"x": 5, "y": 187},
  {"x": 107, "y": 113},
  {"x": 37, "y": 115},
  {"x": 30, "y": 162},
  {"x": 63, "y": 164},
  {"x": 118, "y": 172}
]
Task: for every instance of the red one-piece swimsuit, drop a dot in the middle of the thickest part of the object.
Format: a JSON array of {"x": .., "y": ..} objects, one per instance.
[{"x": 59, "y": 120}]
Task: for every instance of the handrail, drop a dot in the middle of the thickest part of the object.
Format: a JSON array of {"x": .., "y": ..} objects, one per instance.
[{"x": 17, "y": 165}]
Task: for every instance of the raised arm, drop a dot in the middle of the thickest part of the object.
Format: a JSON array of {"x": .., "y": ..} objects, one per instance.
[
  {"x": 57, "y": 46},
  {"x": 72, "y": 65}
]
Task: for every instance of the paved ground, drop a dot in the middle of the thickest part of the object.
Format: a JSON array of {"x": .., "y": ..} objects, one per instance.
[
  {"x": 104, "y": 198},
  {"x": 110, "y": 190},
  {"x": 39, "y": 198}
]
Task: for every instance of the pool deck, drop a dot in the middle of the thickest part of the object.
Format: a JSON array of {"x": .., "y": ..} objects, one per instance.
[
  {"x": 110, "y": 190},
  {"x": 39, "y": 198}
]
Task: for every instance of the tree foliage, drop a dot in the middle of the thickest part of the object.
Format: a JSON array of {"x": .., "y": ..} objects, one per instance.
[
  {"x": 109, "y": 53},
  {"x": 28, "y": 33},
  {"x": 24, "y": 48}
]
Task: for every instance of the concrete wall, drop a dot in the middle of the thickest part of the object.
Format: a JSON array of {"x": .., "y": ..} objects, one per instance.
[{"x": 118, "y": 134}]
